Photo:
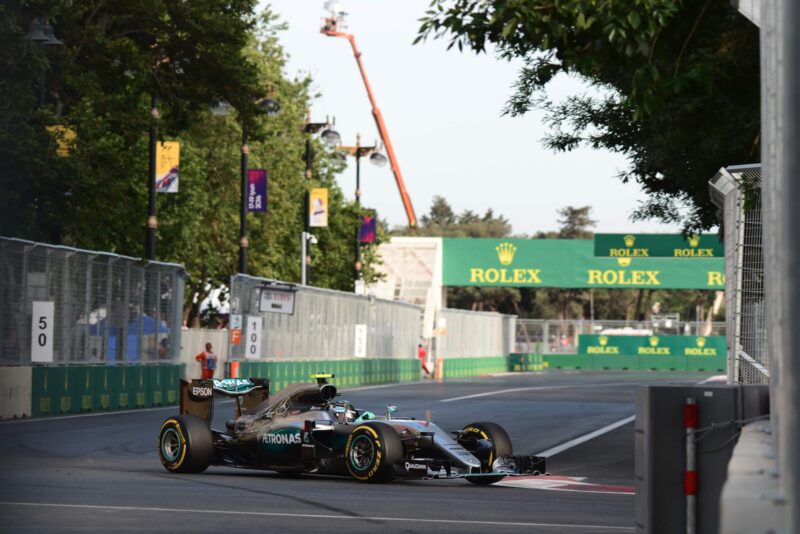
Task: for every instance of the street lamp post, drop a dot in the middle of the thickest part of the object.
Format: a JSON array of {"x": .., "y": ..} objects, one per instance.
[
  {"x": 332, "y": 138},
  {"x": 152, "y": 221},
  {"x": 376, "y": 158},
  {"x": 270, "y": 108},
  {"x": 39, "y": 32}
]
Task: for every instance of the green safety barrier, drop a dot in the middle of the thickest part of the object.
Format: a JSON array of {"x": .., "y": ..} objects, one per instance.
[
  {"x": 526, "y": 362},
  {"x": 633, "y": 362},
  {"x": 348, "y": 373},
  {"x": 655, "y": 345},
  {"x": 90, "y": 388}
]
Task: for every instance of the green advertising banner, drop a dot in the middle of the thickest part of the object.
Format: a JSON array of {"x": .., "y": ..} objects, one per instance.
[
  {"x": 652, "y": 345},
  {"x": 658, "y": 246},
  {"x": 569, "y": 263}
]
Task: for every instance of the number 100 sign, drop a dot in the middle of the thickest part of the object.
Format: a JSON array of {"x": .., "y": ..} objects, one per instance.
[
  {"x": 42, "y": 332},
  {"x": 252, "y": 330}
]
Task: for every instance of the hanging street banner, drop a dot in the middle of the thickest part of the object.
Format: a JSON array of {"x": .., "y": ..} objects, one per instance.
[
  {"x": 658, "y": 246},
  {"x": 569, "y": 263},
  {"x": 168, "y": 157},
  {"x": 318, "y": 207},
  {"x": 368, "y": 227},
  {"x": 65, "y": 139},
  {"x": 257, "y": 190},
  {"x": 652, "y": 345}
]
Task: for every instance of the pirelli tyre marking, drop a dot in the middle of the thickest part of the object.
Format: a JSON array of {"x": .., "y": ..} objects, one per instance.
[
  {"x": 172, "y": 444},
  {"x": 363, "y": 452},
  {"x": 483, "y": 435}
]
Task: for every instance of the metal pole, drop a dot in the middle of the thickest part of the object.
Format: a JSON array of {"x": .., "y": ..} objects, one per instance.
[
  {"x": 306, "y": 222},
  {"x": 303, "y": 252},
  {"x": 152, "y": 223},
  {"x": 780, "y": 126},
  {"x": 358, "y": 214},
  {"x": 690, "y": 474},
  {"x": 243, "y": 242}
]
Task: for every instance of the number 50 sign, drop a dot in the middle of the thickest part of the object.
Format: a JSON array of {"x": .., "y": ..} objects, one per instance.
[{"x": 42, "y": 332}]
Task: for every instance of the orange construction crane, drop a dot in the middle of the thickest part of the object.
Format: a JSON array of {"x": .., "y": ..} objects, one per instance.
[{"x": 331, "y": 27}]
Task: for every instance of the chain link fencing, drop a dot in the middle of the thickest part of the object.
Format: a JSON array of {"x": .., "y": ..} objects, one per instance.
[
  {"x": 324, "y": 323},
  {"x": 744, "y": 259},
  {"x": 106, "y": 308},
  {"x": 561, "y": 336}
]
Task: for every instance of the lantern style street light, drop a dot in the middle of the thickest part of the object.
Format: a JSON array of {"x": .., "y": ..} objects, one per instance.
[
  {"x": 376, "y": 158},
  {"x": 265, "y": 106},
  {"x": 330, "y": 137}
]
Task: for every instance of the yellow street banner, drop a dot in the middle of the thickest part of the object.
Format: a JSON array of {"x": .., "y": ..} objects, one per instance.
[
  {"x": 168, "y": 156},
  {"x": 318, "y": 207},
  {"x": 64, "y": 138}
]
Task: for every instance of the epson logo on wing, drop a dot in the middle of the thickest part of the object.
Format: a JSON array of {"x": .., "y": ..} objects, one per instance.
[
  {"x": 281, "y": 439},
  {"x": 410, "y": 466},
  {"x": 202, "y": 392}
]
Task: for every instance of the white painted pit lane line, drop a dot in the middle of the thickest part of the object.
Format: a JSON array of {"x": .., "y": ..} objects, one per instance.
[
  {"x": 586, "y": 437},
  {"x": 316, "y": 516}
]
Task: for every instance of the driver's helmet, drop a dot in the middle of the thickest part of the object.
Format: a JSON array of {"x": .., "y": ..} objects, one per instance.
[{"x": 345, "y": 410}]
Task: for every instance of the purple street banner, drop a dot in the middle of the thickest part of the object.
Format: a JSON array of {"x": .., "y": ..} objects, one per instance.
[
  {"x": 257, "y": 190},
  {"x": 368, "y": 227}
]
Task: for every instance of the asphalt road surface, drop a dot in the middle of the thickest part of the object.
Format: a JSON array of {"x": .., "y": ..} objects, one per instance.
[{"x": 101, "y": 473}]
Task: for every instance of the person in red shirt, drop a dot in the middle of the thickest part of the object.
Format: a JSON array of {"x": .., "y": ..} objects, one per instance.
[
  {"x": 422, "y": 354},
  {"x": 208, "y": 361}
]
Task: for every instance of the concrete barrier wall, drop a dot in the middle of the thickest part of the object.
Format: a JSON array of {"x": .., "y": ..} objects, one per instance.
[
  {"x": 193, "y": 342},
  {"x": 15, "y": 392}
]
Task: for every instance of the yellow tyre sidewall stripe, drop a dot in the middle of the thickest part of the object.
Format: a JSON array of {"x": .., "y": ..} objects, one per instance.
[
  {"x": 485, "y": 436},
  {"x": 177, "y": 426},
  {"x": 378, "y": 454}
]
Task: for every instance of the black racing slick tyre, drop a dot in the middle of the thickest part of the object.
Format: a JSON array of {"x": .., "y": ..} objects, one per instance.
[
  {"x": 185, "y": 444},
  {"x": 501, "y": 446},
  {"x": 371, "y": 451}
]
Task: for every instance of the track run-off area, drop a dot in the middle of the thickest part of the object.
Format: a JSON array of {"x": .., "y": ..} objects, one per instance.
[{"x": 101, "y": 472}]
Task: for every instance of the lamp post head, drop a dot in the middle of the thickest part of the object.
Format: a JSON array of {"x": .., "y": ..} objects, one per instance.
[
  {"x": 269, "y": 106},
  {"x": 36, "y": 33},
  {"x": 377, "y": 159},
  {"x": 50, "y": 38},
  {"x": 331, "y": 137}
]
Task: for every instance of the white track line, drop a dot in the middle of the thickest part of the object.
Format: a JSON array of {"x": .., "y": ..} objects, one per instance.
[
  {"x": 97, "y": 414},
  {"x": 536, "y": 388},
  {"x": 314, "y": 516},
  {"x": 586, "y": 437}
]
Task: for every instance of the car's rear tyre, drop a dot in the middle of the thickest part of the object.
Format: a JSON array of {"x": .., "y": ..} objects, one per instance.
[
  {"x": 185, "y": 444},
  {"x": 371, "y": 451},
  {"x": 501, "y": 446}
]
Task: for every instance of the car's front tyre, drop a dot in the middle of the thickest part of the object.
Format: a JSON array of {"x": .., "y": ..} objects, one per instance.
[
  {"x": 185, "y": 444},
  {"x": 371, "y": 451},
  {"x": 500, "y": 446}
]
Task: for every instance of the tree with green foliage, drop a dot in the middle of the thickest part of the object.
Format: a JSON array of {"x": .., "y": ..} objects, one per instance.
[
  {"x": 678, "y": 84},
  {"x": 99, "y": 85}
]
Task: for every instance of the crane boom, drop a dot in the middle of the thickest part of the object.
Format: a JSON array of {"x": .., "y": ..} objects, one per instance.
[{"x": 330, "y": 29}]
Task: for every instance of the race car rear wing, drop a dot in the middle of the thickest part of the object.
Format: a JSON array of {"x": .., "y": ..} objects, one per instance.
[{"x": 197, "y": 396}]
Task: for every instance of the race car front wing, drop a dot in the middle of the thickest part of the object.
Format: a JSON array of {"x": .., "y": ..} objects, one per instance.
[{"x": 510, "y": 465}]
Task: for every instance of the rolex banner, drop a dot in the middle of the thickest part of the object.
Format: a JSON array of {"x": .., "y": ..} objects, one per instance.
[
  {"x": 652, "y": 345},
  {"x": 569, "y": 263}
]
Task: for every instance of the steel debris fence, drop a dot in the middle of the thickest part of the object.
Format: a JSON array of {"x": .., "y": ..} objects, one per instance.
[{"x": 107, "y": 308}]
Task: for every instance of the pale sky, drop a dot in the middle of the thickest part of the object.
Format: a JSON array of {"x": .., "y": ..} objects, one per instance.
[{"x": 443, "y": 112}]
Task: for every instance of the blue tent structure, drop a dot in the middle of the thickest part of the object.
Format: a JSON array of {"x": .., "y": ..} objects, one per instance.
[{"x": 148, "y": 326}]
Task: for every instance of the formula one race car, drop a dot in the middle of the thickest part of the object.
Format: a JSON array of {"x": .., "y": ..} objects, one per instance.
[{"x": 303, "y": 429}]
